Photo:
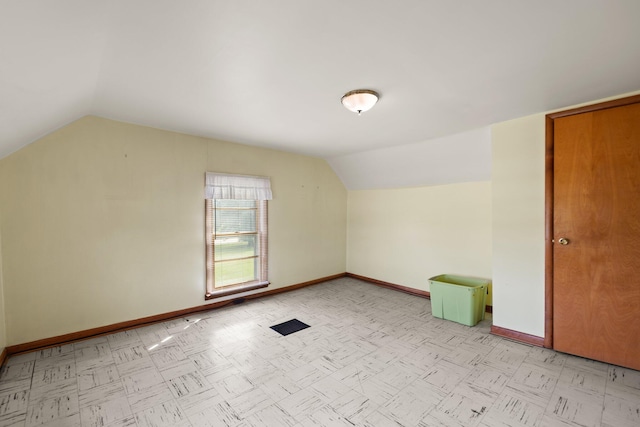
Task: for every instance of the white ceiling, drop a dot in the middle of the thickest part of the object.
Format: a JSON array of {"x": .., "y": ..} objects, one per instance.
[
  {"x": 271, "y": 73},
  {"x": 463, "y": 157}
]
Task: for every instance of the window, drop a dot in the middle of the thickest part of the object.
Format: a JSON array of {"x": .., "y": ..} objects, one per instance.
[{"x": 236, "y": 233}]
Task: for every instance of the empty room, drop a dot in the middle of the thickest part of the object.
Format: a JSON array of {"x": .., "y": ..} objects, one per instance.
[{"x": 341, "y": 213}]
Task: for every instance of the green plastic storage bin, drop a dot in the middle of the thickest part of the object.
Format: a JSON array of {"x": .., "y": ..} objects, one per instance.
[{"x": 458, "y": 298}]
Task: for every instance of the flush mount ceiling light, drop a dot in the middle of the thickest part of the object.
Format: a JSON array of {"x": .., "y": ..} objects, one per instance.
[{"x": 360, "y": 100}]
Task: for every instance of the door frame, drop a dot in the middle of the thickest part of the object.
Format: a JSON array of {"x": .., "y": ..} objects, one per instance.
[{"x": 548, "y": 199}]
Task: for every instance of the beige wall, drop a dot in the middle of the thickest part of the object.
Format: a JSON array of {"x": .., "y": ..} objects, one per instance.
[
  {"x": 102, "y": 222},
  {"x": 404, "y": 236},
  {"x": 518, "y": 176},
  {"x": 518, "y": 224},
  {"x": 3, "y": 331}
]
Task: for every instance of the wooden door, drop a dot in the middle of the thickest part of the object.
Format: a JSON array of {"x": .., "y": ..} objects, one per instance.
[{"x": 596, "y": 271}]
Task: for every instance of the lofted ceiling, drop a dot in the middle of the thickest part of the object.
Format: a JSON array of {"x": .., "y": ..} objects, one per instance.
[{"x": 271, "y": 73}]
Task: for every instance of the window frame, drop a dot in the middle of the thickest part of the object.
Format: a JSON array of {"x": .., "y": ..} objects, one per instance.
[{"x": 262, "y": 258}]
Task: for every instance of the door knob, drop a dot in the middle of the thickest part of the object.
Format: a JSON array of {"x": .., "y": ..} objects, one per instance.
[{"x": 563, "y": 241}]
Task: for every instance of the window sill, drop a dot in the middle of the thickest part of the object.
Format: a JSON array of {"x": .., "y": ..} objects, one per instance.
[{"x": 235, "y": 290}]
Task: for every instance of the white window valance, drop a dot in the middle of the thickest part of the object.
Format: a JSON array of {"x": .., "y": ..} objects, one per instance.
[{"x": 237, "y": 187}]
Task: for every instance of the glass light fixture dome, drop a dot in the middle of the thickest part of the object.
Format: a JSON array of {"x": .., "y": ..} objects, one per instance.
[{"x": 360, "y": 100}]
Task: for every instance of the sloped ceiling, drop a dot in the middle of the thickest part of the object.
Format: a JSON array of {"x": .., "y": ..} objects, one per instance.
[{"x": 271, "y": 73}]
